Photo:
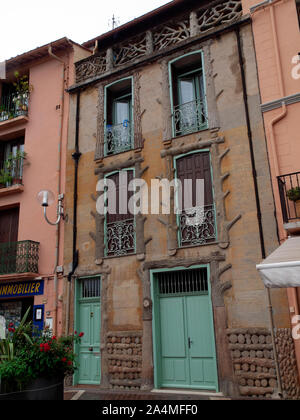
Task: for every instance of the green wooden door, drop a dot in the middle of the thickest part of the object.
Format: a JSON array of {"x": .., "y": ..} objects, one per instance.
[
  {"x": 89, "y": 321},
  {"x": 186, "y": 356}
]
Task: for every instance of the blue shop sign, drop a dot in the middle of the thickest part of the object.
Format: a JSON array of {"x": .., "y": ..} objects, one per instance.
[{"x": 22, "y": 289}]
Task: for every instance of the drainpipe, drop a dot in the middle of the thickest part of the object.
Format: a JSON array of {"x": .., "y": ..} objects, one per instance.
[
  {"x": 57, "y": 240},
  {"x": 76, "y": 156},
  {"x": 259, "y": 218}
]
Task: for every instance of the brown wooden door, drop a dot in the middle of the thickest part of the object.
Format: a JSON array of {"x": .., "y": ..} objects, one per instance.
[{"x": 9, "y": 225}]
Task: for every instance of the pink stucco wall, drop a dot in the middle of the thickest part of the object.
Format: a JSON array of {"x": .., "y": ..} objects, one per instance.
[
  {"x": 273, "y": 64},
  {"x": 42, "y": 138}
]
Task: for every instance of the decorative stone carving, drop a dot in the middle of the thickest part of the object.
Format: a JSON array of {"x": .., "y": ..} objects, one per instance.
[
  {"x": 223, "y": 13},
  {"x": 90, "y": 67},
  {"x": 163, "y": 36},
  {"x": 130, "y": 51},
  {"x": 124, "y": 354},
  {"x": 254, "y": 366},
  {"x": 171, "y": 34}
]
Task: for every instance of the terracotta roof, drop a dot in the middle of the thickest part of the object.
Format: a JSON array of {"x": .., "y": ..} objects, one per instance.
[{"x": 39, "y": 52}]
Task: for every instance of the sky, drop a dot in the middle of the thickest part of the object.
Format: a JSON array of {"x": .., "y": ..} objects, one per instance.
[{"x": 28, "y": 24}]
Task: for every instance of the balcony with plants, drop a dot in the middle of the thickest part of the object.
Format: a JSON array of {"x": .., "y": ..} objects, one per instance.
[
  {"x": 289, "y": 191},
  {"x": 11, "y": 172},
  {"x": 14, "y": 100}
]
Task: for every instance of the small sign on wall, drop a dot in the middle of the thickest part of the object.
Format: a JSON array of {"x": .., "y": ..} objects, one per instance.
[{"x": 2, "y": 327}]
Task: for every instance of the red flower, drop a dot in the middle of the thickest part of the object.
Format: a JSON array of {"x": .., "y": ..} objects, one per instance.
[
  {"x": 64, "y": 359},
  {"x": 69, "y": 363},
  {"x": 81, "y": 334},
  {"x": 11, "y": 324},
  {"x": 13, "y": 330},
  {"x": 10, "y": 329},
  {"x": 45, "y": 347},
  {"x": 54, "y": 337},
  {"x": 75, "y": 332}
]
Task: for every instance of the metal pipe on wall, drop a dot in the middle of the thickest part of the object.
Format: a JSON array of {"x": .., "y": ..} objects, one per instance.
[
  {"x": 57, "y": 239},
  {"x": 75, "y": 255}
]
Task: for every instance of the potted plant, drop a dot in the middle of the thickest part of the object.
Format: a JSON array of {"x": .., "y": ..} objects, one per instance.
[
  {"x": 4, "y": 115},
  {"x": 5, "y": 176},
  {"x": 33, "y": 364},
  {"x": 294, "y": 195},
  {"x": 23, "y": 89},
  {"x": 12, "y": 170}
]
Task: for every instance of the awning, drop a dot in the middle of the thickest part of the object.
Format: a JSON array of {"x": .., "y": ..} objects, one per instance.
[{"x": 282, "y": 267}]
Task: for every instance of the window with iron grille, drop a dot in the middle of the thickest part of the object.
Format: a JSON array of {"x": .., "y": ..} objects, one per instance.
[
  {"x": 120, "y": 224},
  {"x": 188, "y": 95},
  {"x": 203, "y": 230},
  {"x": 119, "y": 117},
  {"x": 11, "y": 162},
  {"x": 90, "y": 288},
  {"x": 183, "y": 282}
]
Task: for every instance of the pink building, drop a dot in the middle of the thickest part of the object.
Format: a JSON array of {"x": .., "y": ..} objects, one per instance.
[
  {"x": 277, "y": 41},
  {"x": 34, "y": 110}
]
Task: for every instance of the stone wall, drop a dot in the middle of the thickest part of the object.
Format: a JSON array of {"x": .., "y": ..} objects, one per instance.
[
  {"x": 124, "y": 351},
  {"x": 254, "y": 365}
]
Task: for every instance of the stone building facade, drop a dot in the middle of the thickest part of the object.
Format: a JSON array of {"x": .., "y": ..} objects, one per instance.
[{"x": 168, "y": 95}]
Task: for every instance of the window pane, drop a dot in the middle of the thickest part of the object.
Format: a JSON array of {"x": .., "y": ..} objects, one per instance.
[
  {"x": 121, "y": 111},
  {"x": 187, "y": 90}
]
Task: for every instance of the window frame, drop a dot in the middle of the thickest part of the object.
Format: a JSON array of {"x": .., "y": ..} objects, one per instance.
[
  {"x": 196, "y": 70},
  {"x": 179, "y": 239},
  {"x": 131, "y": 113},
  {"x": 105, "y": 217}
]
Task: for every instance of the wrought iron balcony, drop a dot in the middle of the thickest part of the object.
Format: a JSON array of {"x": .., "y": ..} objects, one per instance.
[
  {"x": 197, "y": 226},
  {"x": 118, "y": 138},
  {"x": 11, "y": 172},
  {"x": 14, "y": 105},
  {"x": 19, "y": 257},
  {"x": 289, "y": 191},
  {"x": 189, "y": 117},
  {"x": 120, "y": 238}
]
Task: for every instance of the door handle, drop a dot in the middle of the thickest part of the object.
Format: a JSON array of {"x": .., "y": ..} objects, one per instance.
[
  {"x": 190, "y": 342},
  {"x": 91, "y": 349}
]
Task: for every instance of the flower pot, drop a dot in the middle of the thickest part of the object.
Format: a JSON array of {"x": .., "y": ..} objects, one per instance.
[{"x": 40, "y": 389}]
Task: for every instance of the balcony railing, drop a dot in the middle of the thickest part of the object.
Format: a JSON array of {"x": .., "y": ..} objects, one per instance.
[
  {"x": 189, "y": 117},
  {"x": 19, "y": 257},
  {"x": 14, "y": 105},
  {"x": 11, "y": 172},
  {"x": 289, "y": 191},
  {"x": 118, "y": 138},
  {"x": 120, "y": 238},
  {"x": 197, "y": 226}
]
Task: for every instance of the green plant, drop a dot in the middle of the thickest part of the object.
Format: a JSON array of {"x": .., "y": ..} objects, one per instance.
[
  {"x": 293, "y": 194},
  {"x": 33, "y": 355},
  {"x": 21, "y": 84},
  {"x": 12, "y": 167},
  {"x": 16, "y": 339}
]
